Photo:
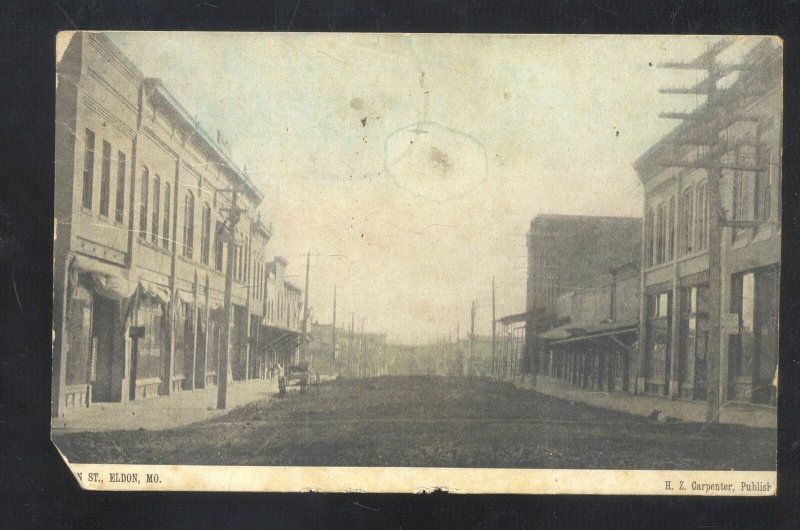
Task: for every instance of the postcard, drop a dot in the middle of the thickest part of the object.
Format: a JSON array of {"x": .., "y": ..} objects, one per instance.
[{"x": 410, "y": 262}]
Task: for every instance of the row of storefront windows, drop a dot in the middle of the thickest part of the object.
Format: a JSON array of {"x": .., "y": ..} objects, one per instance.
[
  {"x": 752, "y": 351},
  {"x": 98, "y": 357}
]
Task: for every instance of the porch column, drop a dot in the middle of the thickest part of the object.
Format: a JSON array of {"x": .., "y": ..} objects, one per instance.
[
  {"x": 60, "y": 295},
  {"x": 674, "y": 383},
  {"x": 195, "y": 316},
  {"x": 639, "y": 359}
]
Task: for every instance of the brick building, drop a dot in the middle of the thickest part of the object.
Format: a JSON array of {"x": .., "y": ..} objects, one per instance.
[
  {"x": 675, "y": 275},
  {"x": 567, "y": 253},
  {"x": 283, "y": 308},
  {"x": 140, "y": 247},
  {"x": 595, "y": 346}
]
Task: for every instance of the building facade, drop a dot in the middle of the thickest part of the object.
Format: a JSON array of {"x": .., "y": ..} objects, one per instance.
[
  {"x": 675, "y": 244},
  {"x": 141, "y": 243},
  {"x": 283, "y": 313},
  {"x": 595, "y": 347},
  {"x": 567, "y": 253}
]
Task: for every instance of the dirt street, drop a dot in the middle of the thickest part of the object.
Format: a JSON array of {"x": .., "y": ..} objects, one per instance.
[{"x": 431, "y": 421}]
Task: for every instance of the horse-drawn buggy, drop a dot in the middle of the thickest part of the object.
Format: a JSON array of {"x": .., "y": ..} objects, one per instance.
[{"x": 297, "y": 375}]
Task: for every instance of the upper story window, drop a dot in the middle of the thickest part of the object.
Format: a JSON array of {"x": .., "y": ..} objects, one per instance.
[
  {"x": 218, "y": 247},
  {"x": 649, "y": 237},
  {"x": 145, "y": 189},
  {"x": 105, "y": 179},
  {"x": 661, "y": 225},
  {"x": 671, "y": 229},
  {"x": 205, "y": 241},
  {"x": 88, "y": 169},
  {"x": 247, "y": 260},
  {"x": 156, "y": 208},
  {"x": 701, "y": 225},
  {"x": 744, "y": 187},
  {"x": 763, "y": 199},
  {"x": 119, "y": 207},
  {"x": 687, "y": 222},
  {"x": 165, "y": 235},
  {"x": 188, "y": 226}
]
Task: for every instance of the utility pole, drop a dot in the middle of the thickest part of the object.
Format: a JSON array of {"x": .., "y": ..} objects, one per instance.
[
  {"x": 494, "y": 331},
  {"x": 472, "y": 335},
  {"x": 716, "y": 119},
  {"x": 304, "y": 337},
  {"x": 363, "y": 351},
  {"x": 352, "y": 327},
  {"x": 459, "y": 354},
  {"x": 333, "y": 357},
  {"x": 234, "y": 214}
]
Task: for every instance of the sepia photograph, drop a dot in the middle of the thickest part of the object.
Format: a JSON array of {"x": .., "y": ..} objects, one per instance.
[{"x": 399, "y": 262}]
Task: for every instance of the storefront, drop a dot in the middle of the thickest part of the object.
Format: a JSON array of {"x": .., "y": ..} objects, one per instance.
[
  {"x": 658, "y": 342},
  {"x": 753, "y": 351},
  {"x": 94, "y": 332},
  {"x": 592, "y": 357},
  {"x": 693, "y": 342},
  {"x": 149, "y": 357}
]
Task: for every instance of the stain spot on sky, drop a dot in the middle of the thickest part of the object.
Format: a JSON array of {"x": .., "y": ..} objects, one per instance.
[
  {"x": 441, "y": 161},
  {"x": 434, "y": 161},
  {"x": 357, "y": 103}
]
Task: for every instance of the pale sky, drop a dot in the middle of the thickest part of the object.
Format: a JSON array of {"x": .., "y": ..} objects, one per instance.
[{"x": 410, "y": 166}]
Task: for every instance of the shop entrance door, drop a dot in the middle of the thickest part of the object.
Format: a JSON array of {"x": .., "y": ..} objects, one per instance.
[{"x": 103, "y": 335}]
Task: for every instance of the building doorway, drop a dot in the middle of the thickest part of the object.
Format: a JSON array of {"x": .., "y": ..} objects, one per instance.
[{"x": 102, "y": 354}]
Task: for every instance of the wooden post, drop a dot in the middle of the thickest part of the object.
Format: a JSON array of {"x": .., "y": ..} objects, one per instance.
[
  {"x": 472, "y": 335},
  {"x": 222, "y": 377},
  {"x": 305, "y": 312},
  {"x": 494, "y": 325},
  {"x": 333, "y": 355},
  {"x": 714, "y": 294}
]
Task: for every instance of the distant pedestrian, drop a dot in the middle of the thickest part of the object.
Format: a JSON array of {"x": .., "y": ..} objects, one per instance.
[{"x": 774, "y": 398}]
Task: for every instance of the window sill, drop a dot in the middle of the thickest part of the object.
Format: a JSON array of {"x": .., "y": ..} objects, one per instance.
[
  {"x": 660, "y": 266},
  {"x": 741, "y": 241},
  {"x": 153, "y": 246}
]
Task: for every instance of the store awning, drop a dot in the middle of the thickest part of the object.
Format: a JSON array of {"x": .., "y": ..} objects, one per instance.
[
  {"x": 599, "y": 330},
  {"x": 519, "y": 317},
  {"x": 109, "y": 281},
  {"x": 561, "y": 332},
  {"x": 185, "y": 296},
  {"x": 151, "y": 289}
]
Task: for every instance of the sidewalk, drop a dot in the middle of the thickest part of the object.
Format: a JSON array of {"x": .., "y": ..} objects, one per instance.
[
  {"x": 645, "y": 405},
  {"x": 162, "y": 412}
]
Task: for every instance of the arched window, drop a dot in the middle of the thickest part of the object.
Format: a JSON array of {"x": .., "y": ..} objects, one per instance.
[
  {"x": 119, "y": 210},
  {"x": 247, "y": 260},
  {"x": 650, "y": 239},
  {"x": 88, "y": 169},
  {"x": 701, "y": 228},
  {"x": 188, "y": 225},
  {"x": 145, "y": 188},
  {"x": 661, "y": 225},
  {"x": 218, "y": 247},
  {"x": 166, "y": 236},
  {"x": 105, "y": 179},
  {"x": 205, "y": 241},
  {"x": 687, "y": 221},
  {"x": 156, "y": 207}
]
